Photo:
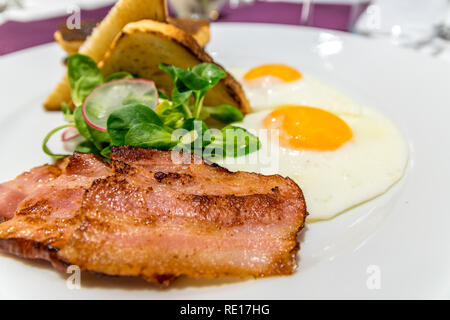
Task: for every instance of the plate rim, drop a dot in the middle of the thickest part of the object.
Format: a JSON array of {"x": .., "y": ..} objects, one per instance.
[{"x": 18, "y": 54}]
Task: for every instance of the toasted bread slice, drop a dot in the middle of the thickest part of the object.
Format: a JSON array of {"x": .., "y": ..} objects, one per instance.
[
  {"x": 123, "y": 12},
  {"x": 71, "y": 40},
  {"x": 69, "y": 46},
  {"x": 97, "y": 44},
  {"x": 197, "y": 28},
  {"x": 143, "y": 45}
]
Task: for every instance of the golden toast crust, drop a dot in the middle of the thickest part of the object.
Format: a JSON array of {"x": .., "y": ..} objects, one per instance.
[
  {"x": 142, "y": 45},
  {"x": 98, "y": 43},
  {"x": 197, "y": 28},
  {"x": 70, "y": 47}
]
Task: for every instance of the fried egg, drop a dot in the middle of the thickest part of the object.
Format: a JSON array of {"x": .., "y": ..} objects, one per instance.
[
  {"x": 269, "y": 91},
  {"x": 339, "y": 152}
]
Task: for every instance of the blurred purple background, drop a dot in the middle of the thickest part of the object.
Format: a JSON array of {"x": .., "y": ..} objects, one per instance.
[{"x": 15, "y": 35}]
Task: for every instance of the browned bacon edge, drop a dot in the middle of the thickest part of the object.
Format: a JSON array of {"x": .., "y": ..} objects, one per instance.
[
  {"x": 34, "y": 250},
  {"x": 26, "y": 246}
]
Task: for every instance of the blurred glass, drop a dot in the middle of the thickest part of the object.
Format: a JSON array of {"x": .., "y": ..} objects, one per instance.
[
  {"x": 309, "y": 13},
  {"x": 204, "y": 9},
  {"x": 405, "y": 22},
  {"x": 236, "y": 3},
  {"x": 306, "y": 15},
  {"x": 4, "y": 4},
  {"x": 357, "y": 7}
]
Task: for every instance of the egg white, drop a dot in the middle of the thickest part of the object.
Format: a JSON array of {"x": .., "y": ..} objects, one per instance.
[
  {"x": 307, "y": 91},
  {"x": 332, "y": 181}
]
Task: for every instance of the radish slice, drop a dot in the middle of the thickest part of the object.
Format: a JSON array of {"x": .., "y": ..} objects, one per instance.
[
  {"x": 115, "y": 94},
  {"x": 69, "y": 134}
]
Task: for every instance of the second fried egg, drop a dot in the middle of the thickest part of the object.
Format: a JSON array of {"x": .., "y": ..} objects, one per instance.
[{"x": 339, "y": 152}]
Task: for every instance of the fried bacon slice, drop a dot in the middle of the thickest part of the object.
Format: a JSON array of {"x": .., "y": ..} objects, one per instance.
[
  {"x": 14, "y": 191},
  {"x": 49, "y": 214},
  {"x": 156, "y": 217}
]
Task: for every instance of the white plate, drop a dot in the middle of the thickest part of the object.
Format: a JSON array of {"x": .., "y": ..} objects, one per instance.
[{"x": 402, "y": 237}]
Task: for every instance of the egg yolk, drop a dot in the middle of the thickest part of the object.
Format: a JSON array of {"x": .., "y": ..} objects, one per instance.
[
  {"x": 281, "y": 71},
  {"x": 302, "y": 127}
]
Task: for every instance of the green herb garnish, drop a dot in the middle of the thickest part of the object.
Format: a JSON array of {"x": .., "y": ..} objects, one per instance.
[{"x": 178, "y": 122}]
